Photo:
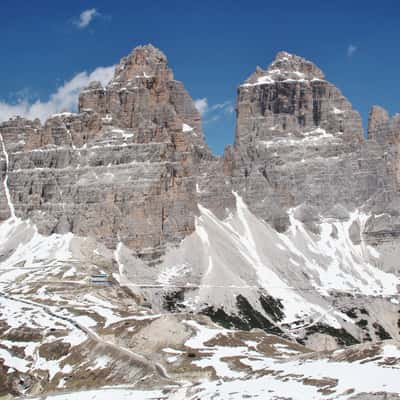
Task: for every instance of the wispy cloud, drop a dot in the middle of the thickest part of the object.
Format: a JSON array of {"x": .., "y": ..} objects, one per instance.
[
  {"x": 65, "y": 98},
  {"x": 351, "y": 49},
  {"x": 201, "y": 105},
  {"x": 226, "y": 107},
  {"x": 214, "y": 112},
  {"x": 86, "y": 17}
]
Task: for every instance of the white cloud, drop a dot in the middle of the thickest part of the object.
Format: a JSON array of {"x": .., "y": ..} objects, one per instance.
[
  {"x": 86, "y": 18},
  {"x": 226, "y": 106},
  {"x": 204, "y": 108},
  {"x": 213, "y": 118},
  {"x": 351, "y": 49},
  {"x": 201, "y": 105},
  {"x": 65, "y": 98},
  {"x": 214, "y": 112}
]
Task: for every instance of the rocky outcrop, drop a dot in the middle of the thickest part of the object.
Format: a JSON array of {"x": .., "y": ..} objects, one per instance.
[
  {"x": 378, "y": 124},
  {"x": 382, "y": 128},
  {"x": 121, "y": 170},
  {"x": 293, "y": 98},
  {"x": 385, "y": 131},
  {"x": 143, "y": 96},
  {"x": 299, "y": 141}
]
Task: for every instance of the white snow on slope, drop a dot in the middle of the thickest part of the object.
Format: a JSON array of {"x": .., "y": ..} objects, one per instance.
[
  {"x": 316, "y": 136},
  {"x": 243, "y": 371},
  {"x": 262, "y": 80},
  {"x": 244, "y": 255},
  {"x": 362, "y": 376},
  {"x": 214, "y": 354},
  {"x": 30, "y": 246},
  {"x": 5, "y": 182},
  {"x": 21, "y": 314},
  {"x": 284, "y": 377},
  {"x": 14, "y": 362},
  {"x": 335, "y": 262},
  {"x": 109, "y": 393},
  {"x": 186, "y": 128},
  {"x": 28, "y": 250},
  {"x": 168, "y": 275}
]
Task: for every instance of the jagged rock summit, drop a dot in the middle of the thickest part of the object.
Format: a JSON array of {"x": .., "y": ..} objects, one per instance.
[
  {"x": 143, "y": 95},
  {"x": 285, "y": 67},
  {"x": 121, "y": 170},
  {"x": 144, "y": 60}
]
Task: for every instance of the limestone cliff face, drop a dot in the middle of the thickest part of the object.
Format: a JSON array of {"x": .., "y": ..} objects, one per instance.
[
  {"x": 144, "y": 96},
  {"x": 384, "y": 136},
  {"x": 293, "y": 98},
  {"x": 385, "y": 131},
  {"x": 122, "y": 169},
  {"x": 299, "y": 141}
]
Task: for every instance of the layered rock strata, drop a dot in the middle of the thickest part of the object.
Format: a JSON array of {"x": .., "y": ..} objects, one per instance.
[
  {"x": 132, "y": 165},
  {"x": 299, "y": 141},
  {"x": 121, "y": 170}
]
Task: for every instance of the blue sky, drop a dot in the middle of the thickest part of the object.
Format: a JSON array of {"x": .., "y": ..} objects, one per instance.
[{"x": 211, "y": 45}]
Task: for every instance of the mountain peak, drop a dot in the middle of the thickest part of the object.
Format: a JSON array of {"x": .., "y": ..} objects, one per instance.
[
  {"x": 281, "y": 55},
  {"x": 144, "y": 61},
  {"x": 286, "y": 67},
  {"x": 292, "y": 63}
]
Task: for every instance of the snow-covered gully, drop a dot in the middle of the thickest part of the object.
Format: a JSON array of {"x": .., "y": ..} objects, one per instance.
[{"x": 5, "y": 182}]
